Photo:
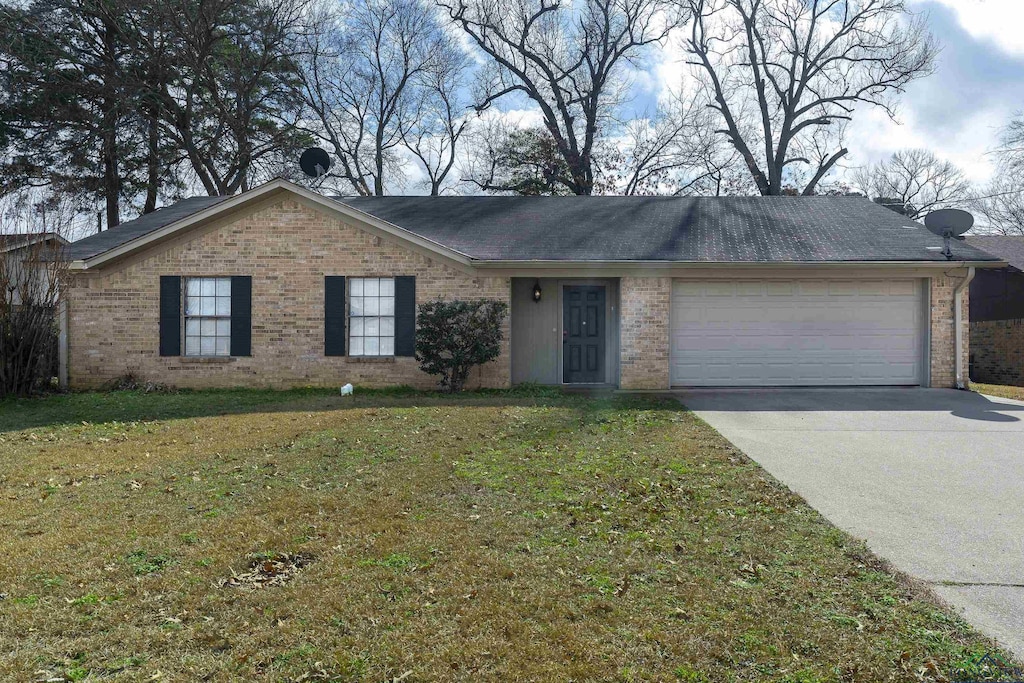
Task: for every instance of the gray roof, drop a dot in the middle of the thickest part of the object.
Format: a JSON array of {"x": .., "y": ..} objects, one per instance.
[
  {"x": 721, "y": 229},
  {"x": 101, "y": 242},
  {"x": 699, "y": 229},
  {"x": 1004, "y": 247}
]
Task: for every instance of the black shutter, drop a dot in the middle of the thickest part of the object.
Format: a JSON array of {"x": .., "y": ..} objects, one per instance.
[
  {"x": 334, "y": 315},
  {"x": 170, "y": 315},
  {"x": 241, "y": 315},
  {"x": 405, "y": 316}
]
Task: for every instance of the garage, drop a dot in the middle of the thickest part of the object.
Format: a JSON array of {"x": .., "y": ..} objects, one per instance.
[{"x": 800, "y": 332}]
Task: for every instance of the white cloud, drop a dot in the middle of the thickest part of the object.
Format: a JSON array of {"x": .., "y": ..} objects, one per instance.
[{"x": 998, "y": 20}]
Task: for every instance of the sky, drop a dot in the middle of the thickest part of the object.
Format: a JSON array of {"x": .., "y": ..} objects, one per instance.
[{"x": 977, "y": 86}]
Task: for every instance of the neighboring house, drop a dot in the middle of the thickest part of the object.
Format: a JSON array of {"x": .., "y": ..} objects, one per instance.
[
  {"x": 26, "y": 256},
  {"x": 280, "y": 286},
  {"x": 997, "y": 313}
]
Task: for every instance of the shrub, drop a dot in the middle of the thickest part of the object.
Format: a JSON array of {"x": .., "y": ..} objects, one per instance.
[
  {"x": 452, "y": 337},
  {"x": 31, "y": 279}
]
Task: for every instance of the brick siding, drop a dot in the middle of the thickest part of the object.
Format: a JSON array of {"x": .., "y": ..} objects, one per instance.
[
  {"x": 287, "y": 248},
  {"x": 645, "y": 307},
  {"x": 997, "y": 352},
  {"x": 943, "y": 343}
]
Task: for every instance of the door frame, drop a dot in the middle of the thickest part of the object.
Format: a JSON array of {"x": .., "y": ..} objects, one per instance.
[{"x": 612, "y": 324}]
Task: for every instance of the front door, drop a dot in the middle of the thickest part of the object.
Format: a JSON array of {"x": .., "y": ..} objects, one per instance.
[{"x": 583, "y": 334}]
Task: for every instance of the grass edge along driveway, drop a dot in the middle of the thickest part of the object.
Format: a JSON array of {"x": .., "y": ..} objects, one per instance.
[{"x": 522, "y": 535}]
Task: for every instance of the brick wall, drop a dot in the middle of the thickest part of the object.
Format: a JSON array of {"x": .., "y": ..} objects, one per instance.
[
  {"x": 645, "y": 305},
  {"x": 997, "y": 352},
  {"x": 287, "y": 248},
  {"x": 943, "y": 344}
]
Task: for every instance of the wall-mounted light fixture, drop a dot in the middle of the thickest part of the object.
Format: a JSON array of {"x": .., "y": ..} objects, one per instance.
[{"x": 536, "y": 291}]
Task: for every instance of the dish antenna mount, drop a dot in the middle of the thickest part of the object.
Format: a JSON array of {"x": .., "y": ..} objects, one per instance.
[
  {"x": 947, "y": 224},
  {"x": 315, "y": 162}
]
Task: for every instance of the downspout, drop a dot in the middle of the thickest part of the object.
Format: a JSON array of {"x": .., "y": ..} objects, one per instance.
[{"x": 958, "y": 314}]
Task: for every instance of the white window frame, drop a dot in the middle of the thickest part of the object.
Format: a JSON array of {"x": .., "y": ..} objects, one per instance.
[
  {"x": 371, "y": 317},
  {"x": 209, "y": 318}
]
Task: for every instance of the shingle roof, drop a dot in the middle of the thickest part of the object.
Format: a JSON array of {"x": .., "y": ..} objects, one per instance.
[
  {"x": 710, "y": 230},
  {"x": 703, "y": 229},
  {"x": 101, "y": 242},
  {"x": 1005, "y": 247}
]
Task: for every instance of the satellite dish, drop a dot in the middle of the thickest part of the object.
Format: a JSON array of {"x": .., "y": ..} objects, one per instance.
[
  {"x": 947, "y": 224},
  {"x": 315, "y": 162}
]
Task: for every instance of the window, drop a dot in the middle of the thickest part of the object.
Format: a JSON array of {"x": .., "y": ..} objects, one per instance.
[
  {"x": 208, "y": 316},
  {"x": 371, "y": 310}
]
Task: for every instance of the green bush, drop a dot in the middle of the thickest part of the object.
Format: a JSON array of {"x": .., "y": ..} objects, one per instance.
[{"x": 452, "y": 337}]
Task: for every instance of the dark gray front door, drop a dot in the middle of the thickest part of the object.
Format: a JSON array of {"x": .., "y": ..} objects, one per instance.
[{"x": 583, "y": 334}]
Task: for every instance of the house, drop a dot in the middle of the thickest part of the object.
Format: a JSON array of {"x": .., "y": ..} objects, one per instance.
[
  {"x": 25, "y": 264},
  {"x": 281, "y": 286},
  {"x": 997, "y": 313}
]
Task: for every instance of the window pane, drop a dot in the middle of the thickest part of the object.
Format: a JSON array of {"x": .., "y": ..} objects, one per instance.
[
  {"x": 207, "y": 346},
  {"x": 191, "y": 346},
  {"x": 372, "y": 327},
  {"x": 223, "y": 305},
  {"x": 387, "y": 346},
  {"x": 371, "y": 286},
  {"x": 223, "y": 346},
  {"x": 357, "y": 327},
  {"x": 371, "y": 346},
  {"x": 387, "y": 286},
  {"x": 371, "y": 306},
  {"x": 208, "y": 327},
  {"x": 387, "y": 327},
  {"x": 192, "y": 286},
  {"x": 357, "y": 286},
  {"x": 208, "y": 306},
  {"x": 387, "y": 306},
  {"x": 192, "y": 327},
  {"x": 224, "y": 286},
  {"x": 192, "y": 305},
  {"x": 355, "y": 346},
  {"x": 356, "y": 305},
  {"x": 223, "y": 328},
  {"x": 209, "y": 287}
]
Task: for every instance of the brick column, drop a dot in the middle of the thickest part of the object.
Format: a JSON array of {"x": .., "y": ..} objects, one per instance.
[
  {"x": 644, "y": 317},
  {"x": 943, "y": 342}
]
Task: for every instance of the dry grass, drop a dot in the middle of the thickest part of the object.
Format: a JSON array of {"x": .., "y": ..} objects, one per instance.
[
  {"x": 521, "y": 536},
  {"x": 1003, "y": 390}
]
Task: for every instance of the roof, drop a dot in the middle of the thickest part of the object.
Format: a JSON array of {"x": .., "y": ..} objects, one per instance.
[
  {"x": 104, "y": 241},
  {"x": 1009, "y": 248},
  {"x": 681, "y": 229},
  {"x": 17, "y": 240},
  {"x": 600, "y": 229}
]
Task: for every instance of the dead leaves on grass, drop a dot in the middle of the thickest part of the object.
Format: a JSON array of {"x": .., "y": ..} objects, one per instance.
[{"x": 267, "y": 570}]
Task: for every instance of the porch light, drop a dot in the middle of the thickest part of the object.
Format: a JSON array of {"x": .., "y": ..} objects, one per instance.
[{"x": 536, "y": 291}]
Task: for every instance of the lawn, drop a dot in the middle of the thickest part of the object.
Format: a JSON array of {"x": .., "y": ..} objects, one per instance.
[
  {"x": 492, "y": 537},
  {"x": 1003, "y": 390}
]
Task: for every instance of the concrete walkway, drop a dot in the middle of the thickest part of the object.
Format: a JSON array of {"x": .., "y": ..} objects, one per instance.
[{"x": 933, "y": 479}]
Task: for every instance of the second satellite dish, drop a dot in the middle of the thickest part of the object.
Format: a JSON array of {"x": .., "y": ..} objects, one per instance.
[
  {"x": 315, "y": 162},
  {"x": 947, "y": 224}
]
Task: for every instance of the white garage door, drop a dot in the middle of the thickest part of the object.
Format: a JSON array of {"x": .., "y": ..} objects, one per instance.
[{"x": 797, "y": 332}]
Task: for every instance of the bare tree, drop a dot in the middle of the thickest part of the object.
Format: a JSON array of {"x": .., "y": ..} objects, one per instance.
[
  {"x": 382, "y": 74},
  {"x": 440, "y": 122},
  {"x": 1001, "y": 204},
  {"x": 913, "y": 182},
  {"x": 568, "y": 59},
  {"x": 784, "y": 76}
]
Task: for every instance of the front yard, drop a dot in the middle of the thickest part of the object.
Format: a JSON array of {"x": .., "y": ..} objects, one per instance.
[{"x": 498, "y": 537}]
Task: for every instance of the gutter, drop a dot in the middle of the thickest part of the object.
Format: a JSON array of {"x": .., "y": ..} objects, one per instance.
[{"x": 958, "y": 314}]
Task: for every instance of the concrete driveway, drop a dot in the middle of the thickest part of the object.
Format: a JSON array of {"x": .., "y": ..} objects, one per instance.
[{"x": 933, "y": 479}]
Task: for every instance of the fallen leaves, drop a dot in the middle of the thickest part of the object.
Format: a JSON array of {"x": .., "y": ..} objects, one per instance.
[{"x": 267, "y": 570}]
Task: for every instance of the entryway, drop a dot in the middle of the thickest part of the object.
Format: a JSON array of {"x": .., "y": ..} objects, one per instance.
[{"x": 583, "y": 334}]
